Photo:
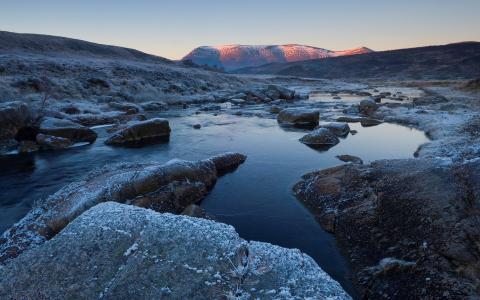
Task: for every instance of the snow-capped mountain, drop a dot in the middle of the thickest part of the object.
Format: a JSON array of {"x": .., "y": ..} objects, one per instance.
[{"x": 232, "y": 57}]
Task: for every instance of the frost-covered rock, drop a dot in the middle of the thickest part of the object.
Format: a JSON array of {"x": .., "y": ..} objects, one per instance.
[
  {"x": 67, "y": 129},
  {"x": 169, "y": 187},
  {"x": 116, "y": 251},
  {"x": 298, "y": 116},
  {"x": 337, "y": 128},
  {"x": 48, "y": 142},
  {"x": 320, "y": 137},
  {"x": 140, "y": 131}
]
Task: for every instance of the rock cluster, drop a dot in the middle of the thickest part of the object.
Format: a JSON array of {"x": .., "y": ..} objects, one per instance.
[{"x": 169, "y": 187}]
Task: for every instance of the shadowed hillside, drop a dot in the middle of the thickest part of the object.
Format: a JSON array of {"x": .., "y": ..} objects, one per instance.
[{"x": 11, "y": 42}]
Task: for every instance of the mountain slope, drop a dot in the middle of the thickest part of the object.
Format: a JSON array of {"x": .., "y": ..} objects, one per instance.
[
  {"x": 232, "y": 57},
  {"x": 11, "y": 42},
  {"x": 459, "y": 60}
]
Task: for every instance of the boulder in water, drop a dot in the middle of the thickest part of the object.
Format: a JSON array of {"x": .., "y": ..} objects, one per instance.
[
  {"x": 67, "y": 129},
  {"x": 320, "y": 137},
  {"x": 141, "y": 132},
  {"x": 337, "y": 128},
  {"x": 50, "y": 142},
  {"x": 298, "y": 116}
]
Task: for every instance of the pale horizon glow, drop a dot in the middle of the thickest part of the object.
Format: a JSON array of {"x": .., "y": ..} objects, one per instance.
[{"x": 173, "y": 28}]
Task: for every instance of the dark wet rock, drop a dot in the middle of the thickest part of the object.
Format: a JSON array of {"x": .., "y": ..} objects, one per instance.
[
  {"x": 337, "y": 128},
  {"x": 50, "y": 142},
  {"x": 125, "y": 107},
  {"x": 368, "y": 122},
  {"x": 27, "y": 146},
  {"x": 406, "y": 226},
  {"x": 169, "y": 187},
  {"x": 125, "y": 252},
  {"x": 67, "y": 129},
  {"x": 377, "y": 99},
  {"x": 349, "y": 119},
  {"x": 320, "y": 137},
  {"x": 362, "y": 93},
  {"x": 350, "y": 158},
  {"x": 367, "y": 107},
  {"x": 353, "y": 132},
  {"x": 196, "y": 126},
  {"x": 298, "y": 116},
  {"x": 275, "y": 109},
  {"x": 141, "y": 131},
  {"x": 336, "y": 98},
  {"x": 14, "y": 116},
  {"x": 154, "y": 106},
  {"x": 238, "y": 113}
]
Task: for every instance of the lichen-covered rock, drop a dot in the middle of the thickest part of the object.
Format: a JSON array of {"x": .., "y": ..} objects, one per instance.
[
  {"x": 409, "y": 227},
  {"x": 67, "y": 129},
  {"x": 320, "y": 137},
  {"x": 337, "y": 128},
  {"x": 298, "y": 116},
  {"x": 48, "y": 142},
  {"x": 168, "y": 187},
  {"x": 116, "y": 251},
  {"x": 138, "y": 132}
]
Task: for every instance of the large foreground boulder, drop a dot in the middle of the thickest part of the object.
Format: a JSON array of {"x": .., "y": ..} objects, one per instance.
[
  {"x": 298, "y": 116},
  {"x": 140, "y": 131},
  {"x": 116, "y": 251},
  {"x": 410, "y": 228},
  {"x": 67, "y": 129},
  {"x": 168, "y": 187}
]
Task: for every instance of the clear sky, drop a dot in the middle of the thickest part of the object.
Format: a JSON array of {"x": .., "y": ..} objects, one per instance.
[{"x": 172, "y": 28}]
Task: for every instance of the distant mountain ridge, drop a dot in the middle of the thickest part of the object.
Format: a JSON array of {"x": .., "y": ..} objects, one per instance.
[
  {"x": 231, "y": 57},
  {"x": 12, "y": 42},
  {"x": 451, "y": 61}
]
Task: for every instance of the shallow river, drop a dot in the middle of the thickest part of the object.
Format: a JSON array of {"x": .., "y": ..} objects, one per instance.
[{"x": 256, "y": 199}]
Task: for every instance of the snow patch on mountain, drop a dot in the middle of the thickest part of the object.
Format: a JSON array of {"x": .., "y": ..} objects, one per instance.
[{"x": 230, "y": 57}]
